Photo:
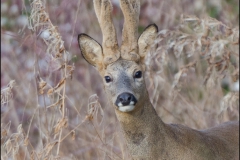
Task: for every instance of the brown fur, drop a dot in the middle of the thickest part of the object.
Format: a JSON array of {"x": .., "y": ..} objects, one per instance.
[{"x": 146, "y": 135}]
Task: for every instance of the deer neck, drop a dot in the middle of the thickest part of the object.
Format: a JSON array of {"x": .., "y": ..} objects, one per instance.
[{"x": 147, "y": 136}]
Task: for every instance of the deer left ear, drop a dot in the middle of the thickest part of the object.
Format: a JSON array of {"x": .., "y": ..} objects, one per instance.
[
  {"x": 91, "y": 50},
  {"x": 146, "y": 40}
]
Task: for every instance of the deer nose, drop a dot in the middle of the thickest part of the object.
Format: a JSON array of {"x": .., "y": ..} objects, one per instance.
[{"x": 126, "y": 99}]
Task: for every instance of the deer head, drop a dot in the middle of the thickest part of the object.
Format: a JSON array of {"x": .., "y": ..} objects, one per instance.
[{"x": 122, "y": 69}]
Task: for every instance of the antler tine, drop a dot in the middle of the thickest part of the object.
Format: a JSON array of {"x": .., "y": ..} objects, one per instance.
[
  {"x": 129, "y": 48},
  {"x": 103, "y": 10}
]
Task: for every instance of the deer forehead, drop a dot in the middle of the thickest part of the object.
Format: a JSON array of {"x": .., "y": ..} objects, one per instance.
[{"x": 123, "y": 65}]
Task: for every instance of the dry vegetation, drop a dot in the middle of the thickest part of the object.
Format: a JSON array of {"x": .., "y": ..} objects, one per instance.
[{"x": 53, "y": 104}]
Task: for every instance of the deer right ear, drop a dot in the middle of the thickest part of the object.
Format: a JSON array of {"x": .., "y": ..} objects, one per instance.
[
  {"x": 146, "y": 40},
  {"x": 91, "y": 50}
]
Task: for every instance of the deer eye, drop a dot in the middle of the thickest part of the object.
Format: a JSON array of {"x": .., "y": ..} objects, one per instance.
[
  {"x": 138, "y": 74},
  {"x": 108, "y": 79}
]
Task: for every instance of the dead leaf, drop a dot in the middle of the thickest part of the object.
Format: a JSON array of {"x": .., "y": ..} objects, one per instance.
[
  {"x": 62, "y": 123},
  {"x": 55, "y": 104},
  {"x": 73, "y": 135},
  {"x": 50, "y": 91},
  {"x": 59, "y": 86}
]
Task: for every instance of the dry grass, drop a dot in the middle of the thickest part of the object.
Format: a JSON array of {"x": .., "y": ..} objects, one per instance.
[
  {"x": 6, "y": 93},
  {"x": 199, "y": 57},
  {"x": 53, "y": 104}
]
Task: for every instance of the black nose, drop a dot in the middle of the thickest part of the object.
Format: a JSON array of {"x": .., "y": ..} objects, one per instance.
[{"x": 125, "y": 99}]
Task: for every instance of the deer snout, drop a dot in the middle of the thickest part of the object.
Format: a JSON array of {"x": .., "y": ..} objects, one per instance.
[
  {"x": 126, "y": 102},
  {"x": 126, "y": 99}
]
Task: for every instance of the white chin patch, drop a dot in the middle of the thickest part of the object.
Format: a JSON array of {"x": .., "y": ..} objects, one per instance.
[{"x": 127, "y": 108}]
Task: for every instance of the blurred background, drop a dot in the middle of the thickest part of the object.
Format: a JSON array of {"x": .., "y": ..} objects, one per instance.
[{"x": 24, "y": 59}]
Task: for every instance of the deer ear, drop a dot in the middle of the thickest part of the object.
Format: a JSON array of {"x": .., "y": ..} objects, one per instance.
[
  {"x": 146, "y": 40},
  {"x": 91, "y": 50}
]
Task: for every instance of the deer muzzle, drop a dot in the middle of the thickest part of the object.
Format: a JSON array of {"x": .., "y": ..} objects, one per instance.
[{"x": 126, "y": 102}]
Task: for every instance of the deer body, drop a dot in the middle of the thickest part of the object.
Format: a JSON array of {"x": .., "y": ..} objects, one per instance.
[
  {"x": 122, "y": 69},
  {"x": 148, "y": 137}
]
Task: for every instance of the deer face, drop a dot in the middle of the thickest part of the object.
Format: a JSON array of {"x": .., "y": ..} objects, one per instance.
[
  {"x": 122, "y": 68},
  {"x": 124, "y": 84}
]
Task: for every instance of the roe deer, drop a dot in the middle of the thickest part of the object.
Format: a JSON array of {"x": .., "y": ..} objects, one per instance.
[{"x": 122, "y": 69}]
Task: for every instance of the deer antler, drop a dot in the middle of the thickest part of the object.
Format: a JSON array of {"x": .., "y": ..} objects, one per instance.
[
  {"x": 129, "y": 48},
  {"x": 103, "y": 10}
]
